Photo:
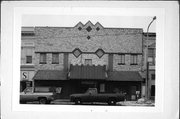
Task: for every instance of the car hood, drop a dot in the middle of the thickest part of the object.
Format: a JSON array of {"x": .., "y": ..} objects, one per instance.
[{"x": 75, "y": 95}]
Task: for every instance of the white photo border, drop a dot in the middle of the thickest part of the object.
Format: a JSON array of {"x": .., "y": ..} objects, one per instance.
[{"x": 81, "y": 8}]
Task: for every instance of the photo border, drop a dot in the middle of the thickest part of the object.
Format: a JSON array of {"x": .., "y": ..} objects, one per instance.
[{"x": 112, "y": 9}]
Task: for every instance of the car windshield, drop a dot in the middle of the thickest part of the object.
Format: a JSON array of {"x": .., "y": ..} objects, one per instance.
[{"x": 28, "y": 90}]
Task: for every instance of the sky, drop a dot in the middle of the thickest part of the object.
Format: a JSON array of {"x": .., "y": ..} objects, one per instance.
[{"x": 105, "y": 21}]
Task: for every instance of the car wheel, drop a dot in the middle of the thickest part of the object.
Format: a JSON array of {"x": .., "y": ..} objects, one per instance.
[
  {"x": 42, "y": 101},
  {"x": 77, "y": 101},
  {"x": 112, "y": 102}
]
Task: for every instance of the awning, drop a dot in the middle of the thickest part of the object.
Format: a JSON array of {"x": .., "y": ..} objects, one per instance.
[
  {"x": 125, "y": 76},
  {"x": 50, "y": 75},
  {"x": 87, "y": 72}
]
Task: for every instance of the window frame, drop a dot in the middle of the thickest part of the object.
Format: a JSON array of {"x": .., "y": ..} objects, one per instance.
[
  {"x": 43, "y": 62},
  {"x": 55, "y": 62},
  {"x": 28, "y": 60},
  {"x": 88, "y": 61},
  {"x": 122, "y": 59},
  {"x": 134, "y": 59}
]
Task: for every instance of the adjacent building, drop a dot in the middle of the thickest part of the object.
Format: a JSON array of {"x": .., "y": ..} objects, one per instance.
[
  {"x": 27, "y": 57},
  {"x": 151, "y": 43}
]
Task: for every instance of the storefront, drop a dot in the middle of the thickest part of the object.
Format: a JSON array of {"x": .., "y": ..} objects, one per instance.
[{"x": 27, "y": 73}]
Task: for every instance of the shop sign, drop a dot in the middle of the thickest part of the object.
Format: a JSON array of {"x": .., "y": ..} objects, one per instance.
[{"x": 25, "y": 75}]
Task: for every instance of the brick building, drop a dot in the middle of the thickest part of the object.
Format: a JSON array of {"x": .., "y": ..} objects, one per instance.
[
  {"x": 151, "y": 59},
  {"x": 72, "y": 59},
  {"x": 27, "y": 57}
]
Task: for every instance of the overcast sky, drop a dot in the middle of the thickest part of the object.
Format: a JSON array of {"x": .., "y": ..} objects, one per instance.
[{"x": 106, "y": 21}]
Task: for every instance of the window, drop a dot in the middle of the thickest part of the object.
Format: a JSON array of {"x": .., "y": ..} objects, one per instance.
[
  {"x": 121, "y": 60},
  {"x": 88, "y": 61},
  {"x": 151, "y": 52},
  {"x": 134, "y": 59},
  {"x": 42, "y": 58},
  {"x": 102, "y": 87},
  {"x": 29, "y": 59},
  {"x": 153, "y": 76},
  {"x": 55, "y": 58}
]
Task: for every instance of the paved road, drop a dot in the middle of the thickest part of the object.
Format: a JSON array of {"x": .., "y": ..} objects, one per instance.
[{"x": 67, "y": 102}]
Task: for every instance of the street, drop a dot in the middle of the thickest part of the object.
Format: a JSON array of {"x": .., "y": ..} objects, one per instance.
[{"x": 122, "y": 103}]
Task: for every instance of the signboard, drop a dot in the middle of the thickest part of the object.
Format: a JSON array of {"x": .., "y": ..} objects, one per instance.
[{"x": 27, "y": 75}]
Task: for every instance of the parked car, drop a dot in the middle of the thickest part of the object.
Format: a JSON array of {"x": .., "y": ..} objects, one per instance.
[
  {"x": 91, "y": 95},
  {"x": 42, "y": 94}
]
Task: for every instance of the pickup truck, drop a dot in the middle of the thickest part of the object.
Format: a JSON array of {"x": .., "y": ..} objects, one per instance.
[
  {"x": 41, "y": 94},
  {"x": 91, "y": 95}
]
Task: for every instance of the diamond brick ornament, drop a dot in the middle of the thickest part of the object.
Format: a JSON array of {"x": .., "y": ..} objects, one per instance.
[
  {"x": 100, "y": 53},
  {"x": 77, "y": 52}
]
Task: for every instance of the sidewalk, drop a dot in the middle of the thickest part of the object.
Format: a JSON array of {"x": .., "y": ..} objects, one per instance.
[{"x": 135, "y": 103}]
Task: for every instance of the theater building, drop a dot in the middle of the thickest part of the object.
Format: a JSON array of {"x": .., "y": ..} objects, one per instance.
[{"x": 73, "y": 59}]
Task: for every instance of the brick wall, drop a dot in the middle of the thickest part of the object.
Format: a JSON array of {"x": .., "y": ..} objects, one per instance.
[
  {"x": 66, "y": 39},
  {"x": 127, "y": 66},
  {"x": 48, "y": 65}
]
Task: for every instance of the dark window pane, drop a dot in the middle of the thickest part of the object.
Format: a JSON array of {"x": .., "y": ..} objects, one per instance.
[
  {"x": 153, "y": 76},
  {"x": 28, "y": 59}
]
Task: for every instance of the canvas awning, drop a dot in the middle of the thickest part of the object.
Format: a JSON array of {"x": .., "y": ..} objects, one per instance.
[
  {"x": 87, "y": 72},
  {"x": 125, "y": 76},
  {"x": 50, "y": 75}
]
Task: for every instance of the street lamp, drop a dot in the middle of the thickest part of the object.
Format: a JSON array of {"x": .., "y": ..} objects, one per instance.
[{"x": 148, "y": 82}]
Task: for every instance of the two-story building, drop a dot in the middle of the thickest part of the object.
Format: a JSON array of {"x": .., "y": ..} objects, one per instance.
[
  {"x": 27, "y": 57},
  {"x": 73, "y": 59},
  {"x": 151, "y": 43}
]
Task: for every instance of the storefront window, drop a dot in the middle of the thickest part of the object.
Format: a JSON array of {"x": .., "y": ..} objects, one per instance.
[{"x": 102, "y": 87}]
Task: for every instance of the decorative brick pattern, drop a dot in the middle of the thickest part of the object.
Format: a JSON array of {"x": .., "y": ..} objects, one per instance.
[
  {"x": 95, "y": 59},
  {"x": 110, "y": 40}
]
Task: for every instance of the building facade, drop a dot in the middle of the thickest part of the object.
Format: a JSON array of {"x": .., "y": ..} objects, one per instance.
[
  {"x": 73, "y": 59},
  {"x": 27, "y": 57},
  {"x": 151, "y": 43}
]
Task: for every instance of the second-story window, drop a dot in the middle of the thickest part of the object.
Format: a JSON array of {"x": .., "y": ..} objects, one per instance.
[
  {"x": 122, "y": 59},
  {"x": 151, "y": 56},
  {"x": 29, "y": 59},
  {"x": 153, "y": 76},
  {"x": 55, "y": 58},
  {"x": 88, "y": 61},
  {"x": 42, "y": 58},
  {"x": 134, "y": 58}
]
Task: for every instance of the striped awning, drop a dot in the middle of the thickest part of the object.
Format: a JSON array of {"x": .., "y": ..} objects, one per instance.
[
  {"x": 50, "y": 75},
  {"x": 124, "y": 76},
  {"x": 87, "y": 72}
]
